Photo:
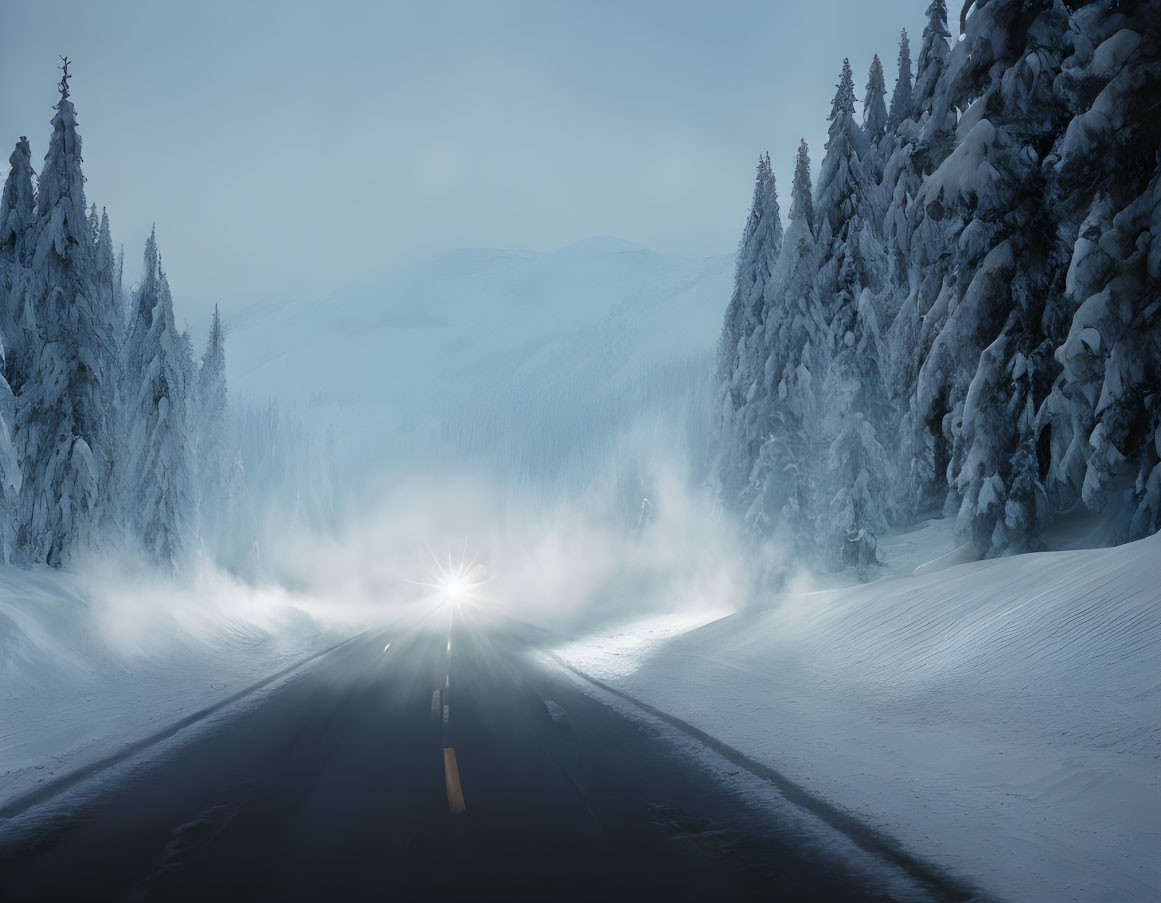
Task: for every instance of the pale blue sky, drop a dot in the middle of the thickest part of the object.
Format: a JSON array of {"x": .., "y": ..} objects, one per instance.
[{"x": 295, "y": 147}]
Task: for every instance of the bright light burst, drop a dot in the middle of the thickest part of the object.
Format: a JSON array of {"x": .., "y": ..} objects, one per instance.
[{"x": 455, "y": 583}]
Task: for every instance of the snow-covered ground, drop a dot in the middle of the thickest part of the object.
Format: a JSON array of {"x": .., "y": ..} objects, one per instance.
[
  {"x": 1000, "y": 718},
  {"x": 89, "y": 666}
]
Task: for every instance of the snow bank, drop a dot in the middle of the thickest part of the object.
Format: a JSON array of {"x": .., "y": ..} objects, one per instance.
[
  {"x": 88, "y": 666},
  {"x": 1001, "y": 718}
]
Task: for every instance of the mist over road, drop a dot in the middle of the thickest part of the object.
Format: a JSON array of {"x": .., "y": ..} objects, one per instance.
[{"x": 335, "y": 788}]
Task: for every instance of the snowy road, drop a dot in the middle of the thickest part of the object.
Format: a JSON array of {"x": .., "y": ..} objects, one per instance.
[{"x": 335, "y": 787}]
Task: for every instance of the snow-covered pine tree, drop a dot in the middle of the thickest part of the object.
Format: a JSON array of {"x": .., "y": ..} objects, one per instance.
[
  {"x": 934, "y": 52},
  {"x": 109, "y": 278},
  {"x": 213, "y": 433},
  {"x": 901, "y": 106},
  {"x": 62, "y": 430},
  {"x": 779, "y": 497},
  {"x": 857, "y": 515},
  {"x": 993, "y": 197},
  {"x": 898, "y": 181},
  {"x": 94, "y": 226},
  {"x": 841, "y": 209},
  {"x": 874, "y": 107},
  {"x": 920, "y": 274},
  {"x": 17, "y": 333},
  {"x": 17, "y": 245},
  {"x": 107, "y": 283},
  {"x": 747, "y": 274},
  {"x": 10, "y": 478},
  {"x": 757, "y": 254},
  {"x": 158, "y": 391},
  {"x": 848, "y": 278},
  {"x": 1099, "y": 437}
]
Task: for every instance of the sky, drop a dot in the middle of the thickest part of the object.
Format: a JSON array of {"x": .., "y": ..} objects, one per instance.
[{"x": 291, "y": 148}]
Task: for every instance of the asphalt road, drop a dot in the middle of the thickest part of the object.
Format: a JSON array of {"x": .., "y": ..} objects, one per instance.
[{"x": 338, "y": 787}]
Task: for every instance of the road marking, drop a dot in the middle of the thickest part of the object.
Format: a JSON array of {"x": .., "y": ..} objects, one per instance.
[
  {"x": 447, "y": 681},
  {"x": 446, "y": 713},
  {"x": 435, "y": 705},
  {"x": 388, "y": 646},
  {"x": 451, "y": 776}
]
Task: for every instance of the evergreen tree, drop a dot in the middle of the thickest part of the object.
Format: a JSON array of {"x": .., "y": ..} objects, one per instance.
[
  {"x": 94, "y": 226},
  {"x": 847, "y": 280},
  {"x": 17, "y": 219},
  {"x": 109, "y": 311},
  {"x": 17, "y": 245},
  {"x": 213, "y": 431},
  {"x": 996, "y": 193},
  {"x": 158, "y": 392},
  {"x": 779, "y": 500},
  {"x": 10, "y": 477},
  {"x": 933, "y": 57},
  {"x": 1098, "y": 429},
  {"x": 757, "y": 254},
  {"x": 874, "y": 108},
  {"x": 841, "y": 206},
  {"x": 61, "y": 420},
  {"x": 901, "y": 105}
]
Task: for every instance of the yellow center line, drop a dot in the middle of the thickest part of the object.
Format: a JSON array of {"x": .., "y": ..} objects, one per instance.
[{"x": 451, "y": 778}]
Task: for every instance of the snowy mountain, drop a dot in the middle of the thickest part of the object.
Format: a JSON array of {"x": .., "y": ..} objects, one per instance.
[{"x": 495, "y": 360}]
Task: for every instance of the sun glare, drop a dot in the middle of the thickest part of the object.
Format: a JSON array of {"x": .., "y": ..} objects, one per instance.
[{"x": 454, "y": 583}]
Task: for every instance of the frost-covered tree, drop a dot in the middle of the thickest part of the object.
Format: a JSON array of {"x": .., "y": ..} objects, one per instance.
[
  {"x": 17, "y": 244},
  {"x": 61, "y": 430},
  {"x": 213, "y": 431},
  {"x": 779, "y": 499},
  {"x": 874, "y": 106},
  {"x": 10, "y": 477},
  {"x": 901, "y": 105},
  {"x": 158, "y": 389},
  {"x": 107, "y": 275},
  {"x": 933, "y": 56},
  {"x": 1099, "y": 426},
  {"x": 996, "y": 195},
  {"x": 842, "y": 210},
  {"x": 848, "y": 278},
  {"x": 17, "y": 324},
  {"x": 757, "y": 254},
  {"x": 107, "y": 283},
  {"x": 857, "y": 514}
]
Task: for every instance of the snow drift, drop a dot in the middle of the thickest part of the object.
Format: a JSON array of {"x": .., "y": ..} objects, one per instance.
[{"x": 999, "y": 717}]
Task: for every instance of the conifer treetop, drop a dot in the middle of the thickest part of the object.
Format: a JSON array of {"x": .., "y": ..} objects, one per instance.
[
  {"x": 63, "y": 87},
  {"x": 844, "y": 98},
  {"x": 901, "y": 96},
  {"x": 874, "y": 110},
  {"x": 801, "y": 202}
]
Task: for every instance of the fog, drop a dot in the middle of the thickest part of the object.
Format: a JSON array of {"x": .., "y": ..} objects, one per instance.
[{"x": 544, "y": 411}]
